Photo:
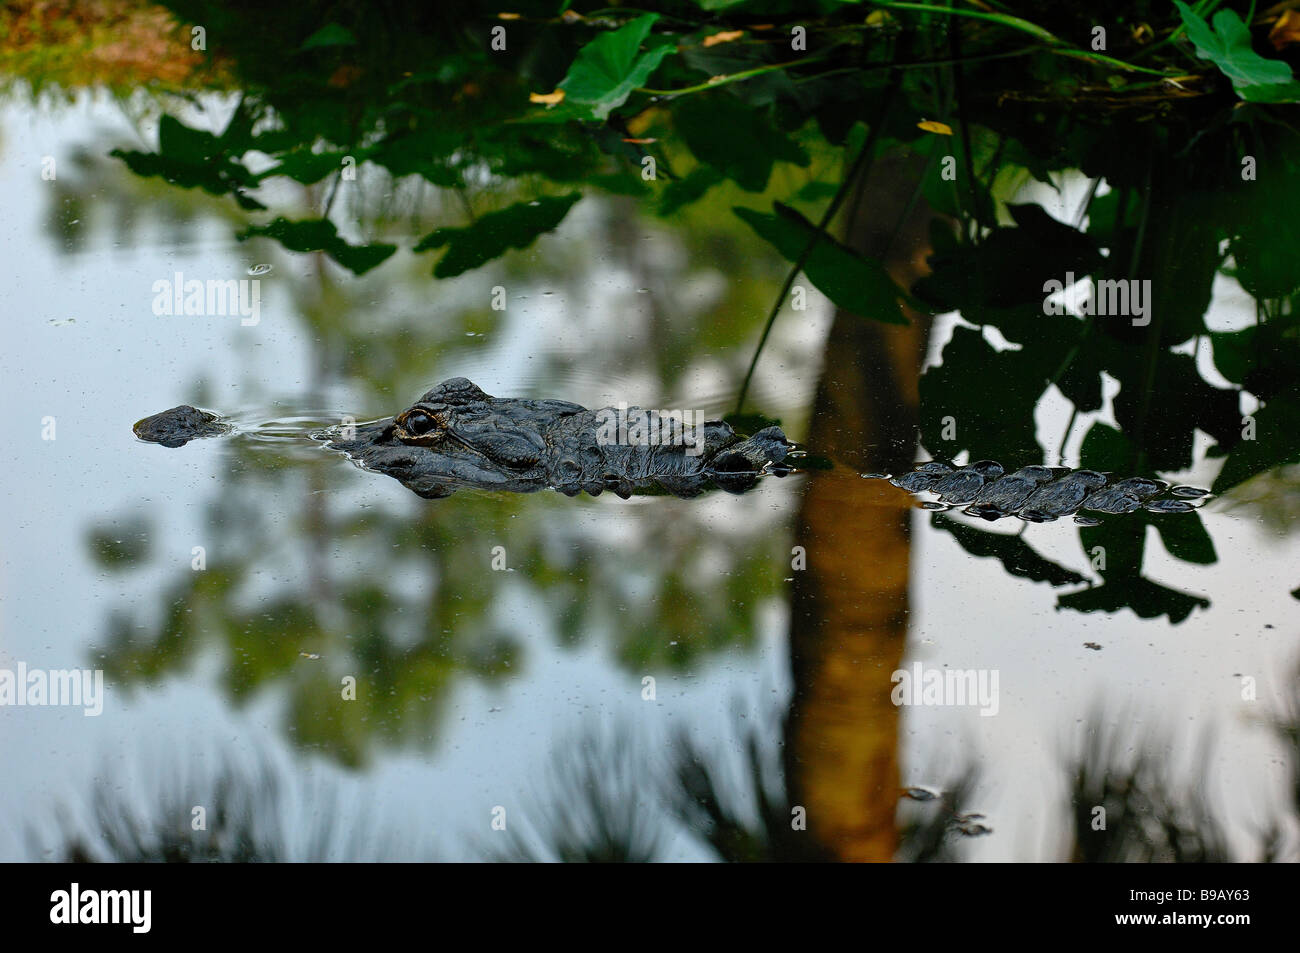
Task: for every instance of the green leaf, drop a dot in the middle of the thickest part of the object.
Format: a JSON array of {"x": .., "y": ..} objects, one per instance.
[
  {"x": 493, "y": 234},
  {"x": 737, "y": 140},
  {"x": 1228, "y": 46},
  {"x": 856, "y": 284},
  {"x": 331, "y": 34},
  {"x": 320, "y": 235},
  {"x": 607, "y": 69},
  {"x": 685, "y": 191}
]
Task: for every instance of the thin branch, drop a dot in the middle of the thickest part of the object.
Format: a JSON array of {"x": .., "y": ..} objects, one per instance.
[{"x": 859, "y": 165}]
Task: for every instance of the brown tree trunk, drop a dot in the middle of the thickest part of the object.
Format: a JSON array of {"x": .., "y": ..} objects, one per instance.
[{"x": 849, "y": 608}]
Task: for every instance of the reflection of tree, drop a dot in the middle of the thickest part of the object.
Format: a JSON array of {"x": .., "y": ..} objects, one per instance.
[
  {"x": 849, "y": 608},
  {"x": 410, "y": 607},
  {"x": 613, "y": 795}
]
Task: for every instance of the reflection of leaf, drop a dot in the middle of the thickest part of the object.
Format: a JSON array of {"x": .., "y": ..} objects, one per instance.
[
  {"x": 1168, "y": 406},
  {"x": 1121, "y": 542},
  {"x": 1148, "y": 599},
  {"x": 687, "y": 190},
  {"x": 1228, "y": 46},
  {"x": 1010, "y": 266},
  {"x": 1184, "y": 535},
  {"x": 493, "y": 234},
  {"x": 737, "y": 140},
  {"x": 192, "y": 158},
  {"x": 607, "y": 69},
  {"x": 856, "y": 284},
  {"x": 990, "y": 395},
  {"x": 305, "y": 166},
  {"x": 1105, "y": 449},
  {"x": 319, "y": 234},
  {"x": 1266, "y": 217},
  {"x": 1016, "y": 556},
  {"x": 1277, "y": 441}
]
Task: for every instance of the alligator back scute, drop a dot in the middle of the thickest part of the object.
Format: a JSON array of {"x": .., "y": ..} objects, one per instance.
[{"x": 1040, "y": 494}]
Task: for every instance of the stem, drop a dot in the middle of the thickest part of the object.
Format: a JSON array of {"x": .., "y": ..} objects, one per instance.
[
  {"x": 859, "y": 164},
  {"x": 1055, "y": 44},
  {"x": 954, "y": 42},
  {"x": 1065, "y": 437},
  {"x": 714, "y": 82}
]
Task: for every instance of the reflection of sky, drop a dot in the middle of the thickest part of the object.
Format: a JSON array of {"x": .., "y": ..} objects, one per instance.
[{"x": 119, "y": 362}]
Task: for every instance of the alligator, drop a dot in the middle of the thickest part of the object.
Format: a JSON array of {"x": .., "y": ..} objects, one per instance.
[
  {"x": 1039, "y": 494},
  {"x": 457, "y": 436},
  {"x": 179, "y": 425}
]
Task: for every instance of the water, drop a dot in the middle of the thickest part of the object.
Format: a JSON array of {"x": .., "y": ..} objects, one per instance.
[{"x": 501, "y": 644}]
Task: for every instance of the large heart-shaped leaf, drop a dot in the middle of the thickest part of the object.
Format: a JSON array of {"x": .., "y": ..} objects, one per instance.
[
  {"x": 607, "y": 69},
  {"x": 1228, "y": 46}
]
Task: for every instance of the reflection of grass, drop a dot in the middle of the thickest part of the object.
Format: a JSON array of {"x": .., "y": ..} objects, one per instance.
[
  {"x": 598, "y": 809},
  {"x": 609, "y": 798},
  {"x": 1152, "y": 817},
  {"x": 249, "y": 819},
  {"x": 609, "y": 803},
  {"x": 1148, "y": 817}
]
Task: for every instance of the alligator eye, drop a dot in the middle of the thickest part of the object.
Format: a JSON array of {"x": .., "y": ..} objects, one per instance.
[{"x": 418, "y": 423}]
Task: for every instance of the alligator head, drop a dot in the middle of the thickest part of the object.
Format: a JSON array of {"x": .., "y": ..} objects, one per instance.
[{"x": 458, "y": 436}]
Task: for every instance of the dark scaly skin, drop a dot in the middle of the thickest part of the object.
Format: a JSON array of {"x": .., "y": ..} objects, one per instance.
[
  {"x": 923, "y": 477},
  {"x": 1061, "y": 497},
  {"x": 1126, "y": 496},
  {"x": 458, "y": 436},
  {"x": 178, "y": 426},
  {"x": 1028, "y": 494},
  {"x": 963, "y": 485},
  {"x": 1003, "y": 497}
]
